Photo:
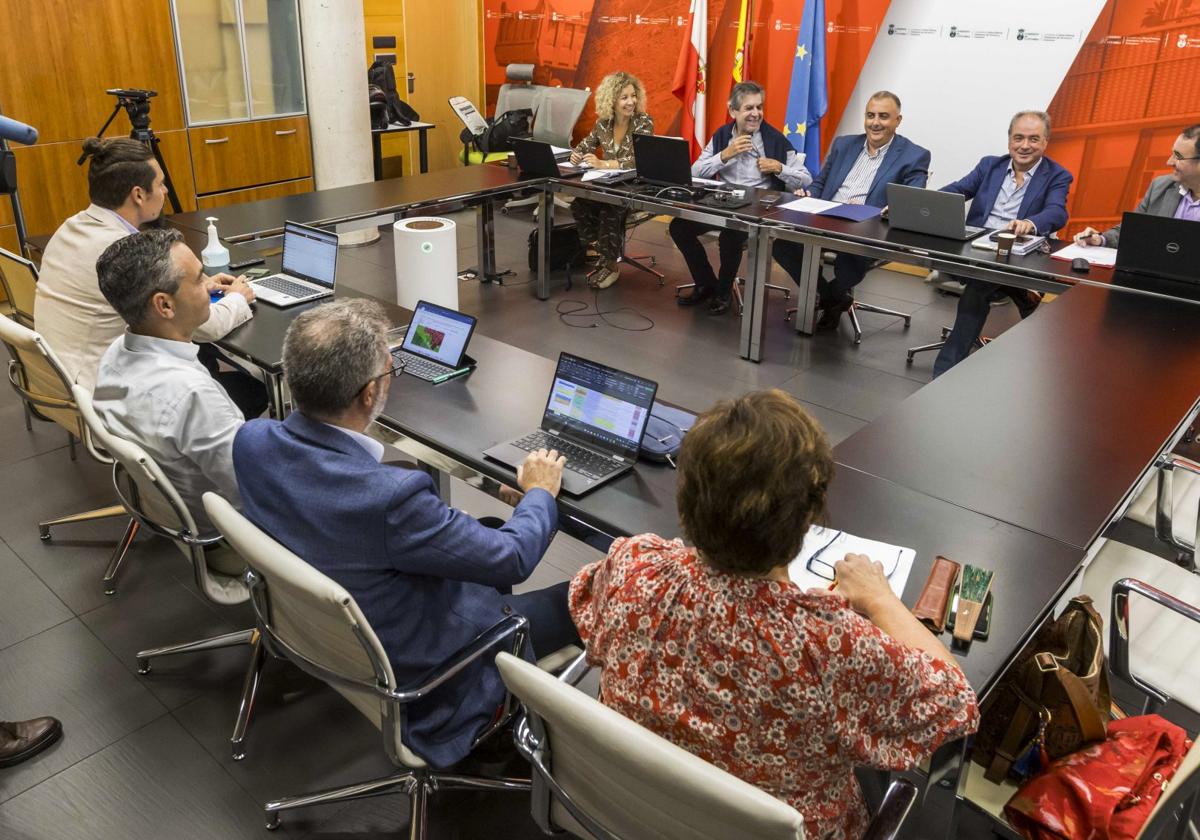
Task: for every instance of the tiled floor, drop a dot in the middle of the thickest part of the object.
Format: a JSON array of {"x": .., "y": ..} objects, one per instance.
[{"x": 148, "y": 757}]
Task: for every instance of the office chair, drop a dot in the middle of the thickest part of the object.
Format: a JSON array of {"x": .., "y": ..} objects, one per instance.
[
  {"x": 597, "y": 774},
  {"x": 1171, "y": 506},
  {"x": 827, "y": 257},
  {"x": 555, "y": 112},
  {"x": 18, "y": 281},
  {"x": 39, "y": 379},
  {"x": 309, "y": 619},
  {"x": 518, "y": 91},
  {"x": 938, "y": 345},
  {"x": 739, "y": 283},
  {"x": 155, "y": 504},
  {"x": 642, "y": 262}
]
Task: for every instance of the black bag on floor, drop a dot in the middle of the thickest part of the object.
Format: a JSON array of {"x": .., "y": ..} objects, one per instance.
[{"x": 565, "y": 248}]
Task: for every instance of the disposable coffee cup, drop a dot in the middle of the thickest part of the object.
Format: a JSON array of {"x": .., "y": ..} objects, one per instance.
[{"x": 1004, "y": 244}]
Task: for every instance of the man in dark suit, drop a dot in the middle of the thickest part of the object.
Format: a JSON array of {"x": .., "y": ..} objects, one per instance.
[
  {"x": 429, "y": 578},
  {"x": 1174, "y": 195},
  {"x": 857, "y": 171},
  {"x": 1024, "y": 192}
]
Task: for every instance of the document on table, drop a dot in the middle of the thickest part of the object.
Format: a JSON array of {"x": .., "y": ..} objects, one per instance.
[
  {"x": 1103, "y": 257},
  {"x": 601, "y": 174},
  {"x": 809, "y": 205},
  {"x": 706, "y": 182},
  {"x": 561, "y": 150},
  {"x": 825, "y": 546}
]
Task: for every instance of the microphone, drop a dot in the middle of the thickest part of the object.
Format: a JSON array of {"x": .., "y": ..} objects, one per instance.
[{"x": 17, "y": 132}]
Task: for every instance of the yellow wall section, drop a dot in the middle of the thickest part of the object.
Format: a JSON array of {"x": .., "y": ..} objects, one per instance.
[{"x": 386, "y": 18}]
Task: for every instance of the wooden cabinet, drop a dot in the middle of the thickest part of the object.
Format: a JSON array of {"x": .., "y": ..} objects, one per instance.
[
  {"x": 300, "y": 185},
  {"x": 235, "y": 155}
]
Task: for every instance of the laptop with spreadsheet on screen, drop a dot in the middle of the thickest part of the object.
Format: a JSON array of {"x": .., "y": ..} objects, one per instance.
[
  {"x": 309, "y": 267},
  {"x": 595, "y": 415}
]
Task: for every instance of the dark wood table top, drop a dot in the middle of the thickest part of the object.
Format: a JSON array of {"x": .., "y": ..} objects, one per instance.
[{"x": 1050, "y": 426}]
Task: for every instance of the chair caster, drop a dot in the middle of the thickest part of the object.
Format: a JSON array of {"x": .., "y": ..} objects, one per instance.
[
  {"x": 143, "y": 666},
  {"x": 272, "y": 822},
  {"x": 909, "y": 360},
  {"x": 237, "y": 755},
  {"x": 652, "y": 261},
  {"x": 110, "y": 591},
  {"x": 907, "y": 322},
  {"x": 44, "y": 532}
]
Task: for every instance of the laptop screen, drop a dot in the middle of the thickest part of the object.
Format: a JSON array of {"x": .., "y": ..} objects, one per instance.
[
  {"x": 662, "y": 160},
  {"x": 438, "y": 334},
  {"x": 600, "y": 405},
  {"x": 310, "y": 253},
  {"x": 1159, "y": 246}
]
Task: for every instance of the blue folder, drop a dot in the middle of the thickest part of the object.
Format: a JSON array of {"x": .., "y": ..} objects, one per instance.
[{"x": 852, "y": 212}]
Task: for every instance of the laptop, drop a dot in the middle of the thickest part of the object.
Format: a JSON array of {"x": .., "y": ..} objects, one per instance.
[
  {"x": 662, "y": 160},
  {"x": 933, "y": 212},
  {"x": 435, "y": 344},
  {"x": 308, "y": 271},
  {"x": 536, "y": 158},
  {"x": 1160, "y": 247},
  {"x": 595, "y": 415}
]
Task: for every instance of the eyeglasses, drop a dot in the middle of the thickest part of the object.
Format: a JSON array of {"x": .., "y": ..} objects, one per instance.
[
  {"x": 825, "y": 568},
  {"x": 394, "y": 371},
  {"x": 1175, "y": 156}
]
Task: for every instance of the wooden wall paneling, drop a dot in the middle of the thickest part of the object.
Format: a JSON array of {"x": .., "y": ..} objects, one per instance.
[
  {"x": 300, "y": 185},
  {"x": 59, "y": 56},
  {"x": 386, "y": 18},
  {"x": 248, "y": 154},
  {"x": 6, "y": 216},
  {"x": 8, "y": 240},
  {"x": 53, "y": 188}
]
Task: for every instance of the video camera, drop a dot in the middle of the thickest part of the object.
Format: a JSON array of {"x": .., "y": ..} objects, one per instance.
[{"x": 136, "y": 103}]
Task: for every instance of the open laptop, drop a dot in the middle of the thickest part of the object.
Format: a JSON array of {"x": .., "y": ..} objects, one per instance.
[
  {"x": 930, "y": 211},
  {"x": 435, "y": 345},
  {"x": 595, "y": 415},
  {"x": 309, "y": 267},
  {"x": 537, "y": 158},
  {"x": 662, "y": 160},
  {"x": 1160, "y": 247}
]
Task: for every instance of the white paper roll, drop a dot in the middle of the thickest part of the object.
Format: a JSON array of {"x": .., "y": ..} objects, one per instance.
[{"x": 426, "y": 261}]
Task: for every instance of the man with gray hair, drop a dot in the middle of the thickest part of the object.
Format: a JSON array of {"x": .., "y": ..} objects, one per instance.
[
  {"x": 1024, "y": 192},
  {"x": 150, "y": 386},
  {"x": 746, "y": 152},
  {"x": 428, "y": 577}
]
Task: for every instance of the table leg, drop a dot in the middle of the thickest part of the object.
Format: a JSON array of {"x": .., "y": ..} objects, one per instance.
[
  {"x": 275, "y": 394},
  {"x": 939, "y": 806},
  {"x": 758, "y": 261},
  {"x": 545, "y": 210},
  {"x": 485, "y": 240},
  {"x": 423, "y": 145},
  {"x": 377, "y": 154},
  {"x": 441, "y": 480},
  {"x": 806, "y": 298}
]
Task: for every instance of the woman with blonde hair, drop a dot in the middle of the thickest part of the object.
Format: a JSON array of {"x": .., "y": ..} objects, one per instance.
[{"x": 620, "y": 113}]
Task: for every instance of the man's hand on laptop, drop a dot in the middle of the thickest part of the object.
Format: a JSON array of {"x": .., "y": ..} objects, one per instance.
[
  {"x": 239, "y": 286},
  {"x": 542, "y": 469}
]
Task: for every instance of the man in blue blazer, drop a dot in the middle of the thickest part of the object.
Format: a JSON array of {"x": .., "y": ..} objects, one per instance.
[
  {"x": 429, "y": 578},
  {"x": 857, "y": 171},
  {"x": 1023, "y": 191}
]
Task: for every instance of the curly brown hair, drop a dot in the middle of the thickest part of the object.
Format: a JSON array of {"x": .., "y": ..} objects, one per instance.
[
  {"x": 753, "y": 473},
  {"x": 609, "y": 90}
]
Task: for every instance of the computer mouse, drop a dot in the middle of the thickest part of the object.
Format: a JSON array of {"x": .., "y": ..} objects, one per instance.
[{"x": 1080, "y": 264}]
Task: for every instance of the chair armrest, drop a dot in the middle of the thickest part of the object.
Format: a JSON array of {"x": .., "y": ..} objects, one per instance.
[
  {"x": 1118, "y": 628},
  {"x": 576, "y": 671},
  {"x": 1164, "y": 507},
  {"x": 513, "y": 627},
  {"x": 897, "y": 802}
]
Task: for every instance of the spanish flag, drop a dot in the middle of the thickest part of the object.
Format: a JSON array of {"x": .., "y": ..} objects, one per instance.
[{"x": 739, "y": 54}]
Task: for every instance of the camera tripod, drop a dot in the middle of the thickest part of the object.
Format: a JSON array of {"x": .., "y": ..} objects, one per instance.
[{"x": 137, "y": 105}]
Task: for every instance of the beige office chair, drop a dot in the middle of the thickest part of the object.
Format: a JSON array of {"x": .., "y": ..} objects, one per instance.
[
  {"x": 18, "y": 280},
  {"x": 1170, "y": 505},
  {"x": 555, "y": 112},
  {"x": 598, "y": 774},
  {"x": 40, "y": 380},
  {"x": 150, "y": 498},
  {"x": 312, "y": 621},
  {"x": 518, "y": 91}
]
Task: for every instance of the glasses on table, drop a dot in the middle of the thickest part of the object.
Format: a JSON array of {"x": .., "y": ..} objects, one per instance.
[{"x": 822, "y": 561}]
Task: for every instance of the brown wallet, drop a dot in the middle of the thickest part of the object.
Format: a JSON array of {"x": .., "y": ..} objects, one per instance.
[{"x": 935, "y": 597}]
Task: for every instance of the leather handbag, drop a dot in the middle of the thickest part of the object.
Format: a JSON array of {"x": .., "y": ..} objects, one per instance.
[
  {"x": 1106, "y": 790},
  {"x": 1055, "y": 695}
]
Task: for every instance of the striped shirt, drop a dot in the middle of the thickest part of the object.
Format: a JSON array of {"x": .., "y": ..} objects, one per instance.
[
  {"x": 858, "y": 180},
  {"x": 1008, "y": 200}
]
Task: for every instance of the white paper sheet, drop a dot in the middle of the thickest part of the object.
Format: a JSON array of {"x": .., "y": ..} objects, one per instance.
[
  {"x": 1103, "y": 257},
  {"x": 707, "y": 182},
  {"x": 560, "y": 150},
  {"x": 833, "y": 545},
  {"x": 600, "y": 174},
  {"x": 809, "y": 205}
]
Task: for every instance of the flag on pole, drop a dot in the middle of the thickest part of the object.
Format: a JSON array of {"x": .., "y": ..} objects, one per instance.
[
  {"x": 808, "y": 98},
  {"x": 690, "y": 77},
  {"x": 739, "y": 54}
]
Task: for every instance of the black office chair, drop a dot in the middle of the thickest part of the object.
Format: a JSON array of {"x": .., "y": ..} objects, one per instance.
[
  {"x": 739, "y": 284},
  {"x": 938, "y": 345},
  {"x": 827, "y": 258}
]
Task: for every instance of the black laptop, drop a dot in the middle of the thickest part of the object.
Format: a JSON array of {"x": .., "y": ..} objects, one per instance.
[
  {"x": 595, "y": 416},
  {"x": 536, "y": 158},
  {"x": 1160, "y": 247},
  {"x": 665, "y": 161}
]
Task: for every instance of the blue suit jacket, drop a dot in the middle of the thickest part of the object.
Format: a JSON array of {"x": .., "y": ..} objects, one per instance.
[
  {"x": 1044, "y": 203},
  {"x": 424, "y": 574},
  {"x": 905, "y": 163}
]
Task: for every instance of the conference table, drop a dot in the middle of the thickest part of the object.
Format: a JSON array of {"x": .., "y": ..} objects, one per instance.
[{"x": 1015, "y": 461}]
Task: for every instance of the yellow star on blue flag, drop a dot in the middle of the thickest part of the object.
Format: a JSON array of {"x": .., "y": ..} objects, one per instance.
[{"x": 808, "y": 96}]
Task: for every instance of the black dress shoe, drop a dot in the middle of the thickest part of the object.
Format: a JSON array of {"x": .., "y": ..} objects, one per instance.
[
  {"x": 719, "y": 305},
  {"x": 24, "y": 739},
  {"x": 698, "y": 295},
  {"x": 831, "y": 315}
]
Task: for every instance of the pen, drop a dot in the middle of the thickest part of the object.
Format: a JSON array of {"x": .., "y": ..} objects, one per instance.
[{"x": 451, "y": 375}]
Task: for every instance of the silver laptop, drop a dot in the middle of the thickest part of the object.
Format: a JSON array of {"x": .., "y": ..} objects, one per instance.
[
  {"x": 930, "y": 211},
  {"x": 595, "y": 416},
  {"x": 308, "y": 271}
]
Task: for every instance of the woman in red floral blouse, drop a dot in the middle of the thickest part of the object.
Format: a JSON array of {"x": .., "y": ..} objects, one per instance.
[{"x": 715, "y": 649}]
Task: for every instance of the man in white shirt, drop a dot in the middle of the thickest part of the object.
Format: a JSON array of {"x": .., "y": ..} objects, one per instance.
[
  {"x": 127, "y": 191},
  {"x": 150, "y": 388}
]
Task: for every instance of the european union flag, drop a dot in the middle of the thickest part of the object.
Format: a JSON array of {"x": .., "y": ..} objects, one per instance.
[{"x": 808, "y": 98}]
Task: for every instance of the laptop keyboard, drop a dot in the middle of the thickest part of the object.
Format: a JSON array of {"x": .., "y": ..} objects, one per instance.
[
  {"x": 419, "y": 367},
  {"x": 287, "y": 287},
  {"x": 579, "y": 459}
]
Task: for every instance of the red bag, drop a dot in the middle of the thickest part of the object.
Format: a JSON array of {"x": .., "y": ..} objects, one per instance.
[{"x": 1106, "y": 790}]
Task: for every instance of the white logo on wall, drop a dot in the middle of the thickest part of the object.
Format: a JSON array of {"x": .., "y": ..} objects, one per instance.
[{"x": 1183, "y": 40}]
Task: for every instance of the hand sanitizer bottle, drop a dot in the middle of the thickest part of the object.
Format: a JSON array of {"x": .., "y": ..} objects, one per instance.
[{"x": 214, "y": 255}]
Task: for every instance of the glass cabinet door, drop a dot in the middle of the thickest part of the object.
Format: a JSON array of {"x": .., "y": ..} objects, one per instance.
[{"x": 272, "y": 30}]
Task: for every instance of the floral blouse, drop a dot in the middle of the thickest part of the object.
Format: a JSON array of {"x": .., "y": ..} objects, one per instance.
[
  {"x": 601, "y": 136},
  {"x": 784, "y": 689}
]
